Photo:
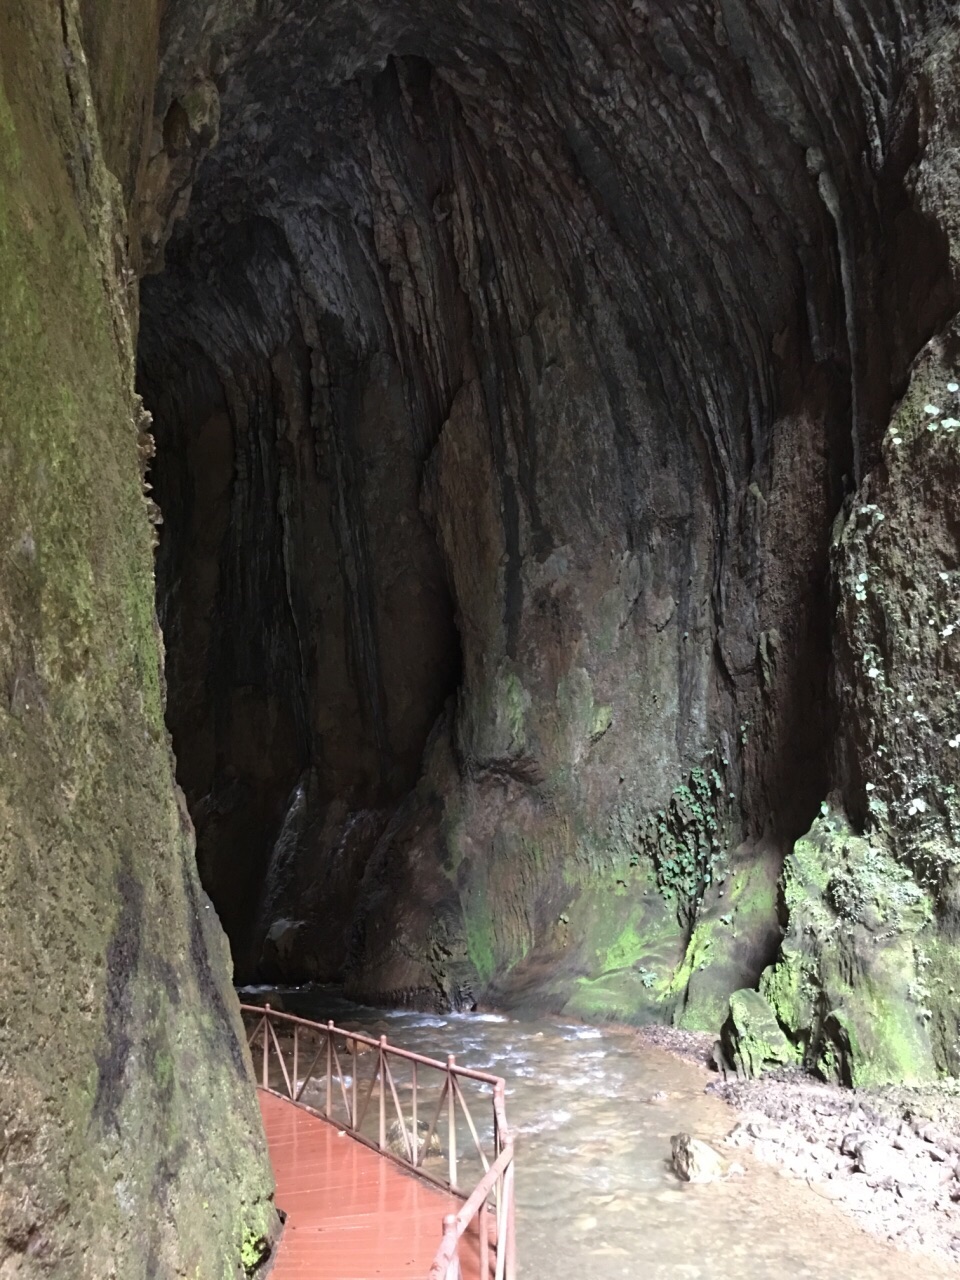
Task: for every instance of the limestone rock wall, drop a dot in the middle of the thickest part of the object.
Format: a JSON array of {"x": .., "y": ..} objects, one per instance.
[
  {"x": 519, "y": 376},
  {"x": 867, "y": 979},
  {"x": 131, "y": 1142}
]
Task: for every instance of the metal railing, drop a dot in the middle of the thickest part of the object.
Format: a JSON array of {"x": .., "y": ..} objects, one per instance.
[{"x": 343, "y": 1072}]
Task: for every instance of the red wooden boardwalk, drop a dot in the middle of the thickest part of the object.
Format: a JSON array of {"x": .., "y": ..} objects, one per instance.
[{"x": 351, "y": 1213}]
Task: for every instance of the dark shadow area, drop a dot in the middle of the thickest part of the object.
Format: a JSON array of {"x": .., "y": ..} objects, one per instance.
[{"x": 309, "y": 630}]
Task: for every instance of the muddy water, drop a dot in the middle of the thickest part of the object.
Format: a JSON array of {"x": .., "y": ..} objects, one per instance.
[{"x": 595, "y": 1197}]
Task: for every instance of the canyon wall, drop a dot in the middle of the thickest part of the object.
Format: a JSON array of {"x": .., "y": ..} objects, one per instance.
[
  {"x": 555, "y": 425},
  {"x": 131, "y": 1142},
  {"x": 525, "y": 381}
]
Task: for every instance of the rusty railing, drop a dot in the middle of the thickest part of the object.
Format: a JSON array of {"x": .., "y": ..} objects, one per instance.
[{"x": 345, "y": 1071}]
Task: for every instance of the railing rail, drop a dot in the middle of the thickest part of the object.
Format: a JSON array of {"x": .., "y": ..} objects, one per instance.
[{"x": 287, "y": 1043}]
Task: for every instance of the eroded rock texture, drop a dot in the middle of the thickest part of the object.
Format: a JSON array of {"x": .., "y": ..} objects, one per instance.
[
  {"x": 130, "y": 1140},
  {"x": 521, "y": 376}
]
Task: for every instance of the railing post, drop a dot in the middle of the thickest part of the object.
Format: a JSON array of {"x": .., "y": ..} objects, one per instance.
[
  {"x": 382, "y": 1062},
  {"x": 501, "y": 1221},
  {"x": 498, "y": 1095},
  {"x": 450, "y": 1238},
  {"x": 452, "y": 1118},
  {"x": 265, "y": 1069},
  {"x": 329, "y": 1069},
  {"x": 510, "y": 1196},
  {"x": 356, "y": 1096},
  {"x": 416, "y": 1136},
  {"x": 483, "y": 1228},
  {"x": 296, "y": 1084}
]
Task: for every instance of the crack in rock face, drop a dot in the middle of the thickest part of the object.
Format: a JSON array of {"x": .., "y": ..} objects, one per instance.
[{"x": 512, "y": 366}]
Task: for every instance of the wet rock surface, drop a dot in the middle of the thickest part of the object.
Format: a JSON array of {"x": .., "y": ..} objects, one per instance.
[
  {"x": 130, "y": 1137},
  {"x": 694, "y": 1160},
  {"x": 752, "y": 1040},
  {"x": 519, "y": 398}
]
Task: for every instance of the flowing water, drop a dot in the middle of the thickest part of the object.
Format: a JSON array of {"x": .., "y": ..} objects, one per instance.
[{"x": 596, "y": 1198}]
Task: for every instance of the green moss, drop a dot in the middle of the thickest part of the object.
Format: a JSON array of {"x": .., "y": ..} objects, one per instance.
[
  {"x": 665, "y": 942},
  {"x": 624, "y": 951},
  {"x": 872, "y": 1035},
  {"x": 699, "y": 951},
  {"x": 753, "y": 1039},
  {"x": 722, "y": 955},
  {"x": 849, "y": 984},
  {"x": 938, "y": 990},
  {"x": 688, "y": 841},
  {"x": 253, "y": 1249},
  {"x": 163, "y": 1069},
  {"x": 630, "y": 946},
  {"x": 602, "y": 720},
  {"x": 480, "y": 934},
  {"x": 790, "y": 988}
]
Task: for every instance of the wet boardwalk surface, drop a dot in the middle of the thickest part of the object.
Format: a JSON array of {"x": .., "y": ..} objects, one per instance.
[{"x": 351, "y": 1214}]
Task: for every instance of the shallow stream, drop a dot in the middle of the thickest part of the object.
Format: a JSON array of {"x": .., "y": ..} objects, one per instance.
[{"x": 596, "y": 1198}]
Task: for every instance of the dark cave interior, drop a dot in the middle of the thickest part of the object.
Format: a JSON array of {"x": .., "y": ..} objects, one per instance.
[{"x": 503, "y": 415}]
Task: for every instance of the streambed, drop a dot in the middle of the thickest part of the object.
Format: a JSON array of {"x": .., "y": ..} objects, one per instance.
[{"x": 594, "y": 1110}]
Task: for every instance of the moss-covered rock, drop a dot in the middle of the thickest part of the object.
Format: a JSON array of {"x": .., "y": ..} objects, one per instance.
[
  {"x": 753, "y": 1040},
  {"x": 133, "y": 1141},
  {"x": 736, "y": 933},
  {"x": 847, "y": 986}
]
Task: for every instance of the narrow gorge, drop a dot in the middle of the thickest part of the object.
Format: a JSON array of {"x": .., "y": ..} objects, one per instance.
[{"x": 535, "y": 426}]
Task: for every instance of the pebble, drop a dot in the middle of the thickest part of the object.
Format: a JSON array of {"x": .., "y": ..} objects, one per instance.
[{"x": 850, "y": 1143}]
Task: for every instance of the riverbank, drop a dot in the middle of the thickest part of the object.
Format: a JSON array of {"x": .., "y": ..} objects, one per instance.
[{"x": 889, "y": 1157}]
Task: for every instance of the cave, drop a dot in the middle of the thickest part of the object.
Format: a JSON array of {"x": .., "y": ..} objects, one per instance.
[
  {"x": 310, "y": 631},
  {"x": 501, "y": 429},
  {"x": 479, "y": 525}
]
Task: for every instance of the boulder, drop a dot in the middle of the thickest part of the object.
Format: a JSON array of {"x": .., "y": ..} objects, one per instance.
[
  {"x": 695, "y": 1161},
  {"x": 879, "y": 1162},
  {"x": 398, "y": 1136},
  {"x": 281, "y": 945},
  {"x": 752, "y": 1039}
]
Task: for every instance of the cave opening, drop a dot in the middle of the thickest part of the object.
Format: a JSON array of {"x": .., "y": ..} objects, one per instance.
[
  {"x": 503, "y": 426},
  {"x": 309, "y": 621},
  {"x": 451, "y": 397},
  {"x": 393, "y": 400},
  {"x": 557, "y": 409}
]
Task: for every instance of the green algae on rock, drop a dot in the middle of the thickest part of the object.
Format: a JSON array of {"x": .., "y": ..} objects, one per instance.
[
  {"x": 752, "y": 1038},
  {"x": 845, "y": 986},
  {"x": 134, "y": 1145}
]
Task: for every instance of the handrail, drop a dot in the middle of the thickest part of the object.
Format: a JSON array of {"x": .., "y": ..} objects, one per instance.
[
  {"x": 483, "y": 1076},
  {"x": 446, "y": 1263},
  {"x": 410, "y": 1146}
]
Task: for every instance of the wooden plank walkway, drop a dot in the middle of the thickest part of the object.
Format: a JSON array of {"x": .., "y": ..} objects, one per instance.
[{"x": 351, "y": 1213}]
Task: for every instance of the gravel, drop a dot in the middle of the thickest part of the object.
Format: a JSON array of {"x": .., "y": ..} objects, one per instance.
[{"x": 889, "y": 1157}]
